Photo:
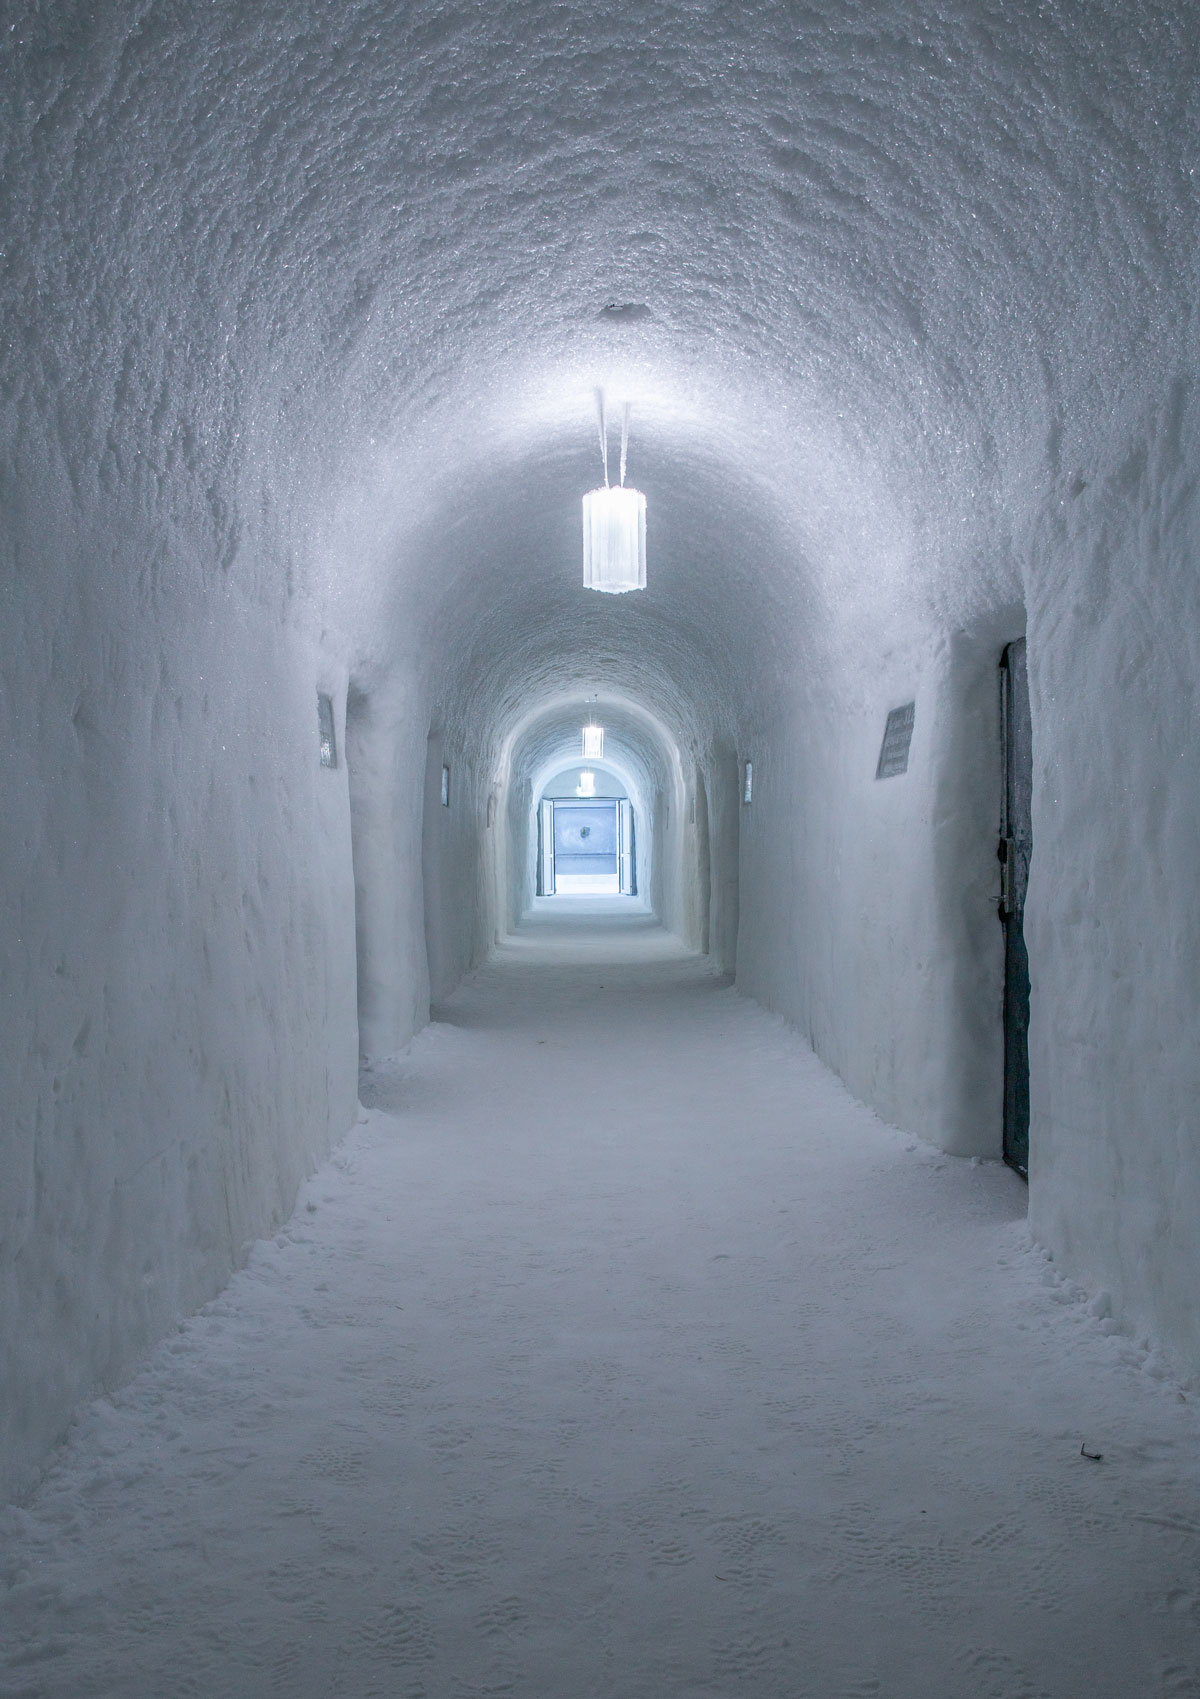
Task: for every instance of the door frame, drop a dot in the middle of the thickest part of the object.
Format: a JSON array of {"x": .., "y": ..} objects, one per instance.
[
  {"x": 1014, "y": 852},
  {"x": 627, "y": 872},
  {"x": 545, "y": 880},
  {"x": 626, "y": 844}
]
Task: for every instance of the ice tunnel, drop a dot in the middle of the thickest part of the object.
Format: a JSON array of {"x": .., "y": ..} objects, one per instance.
[{"x": 305, "y": 312}]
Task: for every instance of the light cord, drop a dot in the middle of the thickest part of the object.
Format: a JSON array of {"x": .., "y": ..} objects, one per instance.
[{"x": 602, "y": 426}]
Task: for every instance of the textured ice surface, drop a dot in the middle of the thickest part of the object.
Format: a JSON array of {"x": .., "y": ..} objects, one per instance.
[
  {"x": 619, "y": 1352},
  {"x": 303, "y": 309}
]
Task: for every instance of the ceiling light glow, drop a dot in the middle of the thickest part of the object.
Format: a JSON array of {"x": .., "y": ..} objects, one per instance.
[{"x": 614, "y": 523}]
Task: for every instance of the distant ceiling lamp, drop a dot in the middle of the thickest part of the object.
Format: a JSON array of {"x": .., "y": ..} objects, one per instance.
[
  {"x": 614, "y": 523},
  {"x": 593, "y": 743},
  {"x": 587, "y": 784}
]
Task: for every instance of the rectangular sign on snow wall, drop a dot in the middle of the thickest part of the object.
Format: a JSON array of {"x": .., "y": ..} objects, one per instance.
[
  {"x": 326, "y": 737},
  {"x": 897, "y": 736}
]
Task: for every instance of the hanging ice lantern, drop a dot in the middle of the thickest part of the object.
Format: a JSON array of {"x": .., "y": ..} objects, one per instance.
[
  {"x": 587, "y": 784},
  {"x": 614, "y": 540},
  {"x": 593, "y": 743},
  {"x": 614, "y": 524}
]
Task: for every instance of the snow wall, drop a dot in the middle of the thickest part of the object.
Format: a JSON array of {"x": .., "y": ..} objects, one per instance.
[
  {"x": 178, "y": 958},
  {"x": 1113, "y": 920},
  {"x": 868, "y": 907},
  {"x": 388, "y": 753}
]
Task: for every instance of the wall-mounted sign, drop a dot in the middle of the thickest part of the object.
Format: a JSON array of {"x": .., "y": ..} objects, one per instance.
[
  {"x": 326, "y": 736},
  {"x": 897, "y": 736}
]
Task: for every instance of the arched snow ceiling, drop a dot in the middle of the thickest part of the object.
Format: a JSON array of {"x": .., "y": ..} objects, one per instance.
[
  {"x": 637, "y": 747},
  {"x": 339, "y": 281}
]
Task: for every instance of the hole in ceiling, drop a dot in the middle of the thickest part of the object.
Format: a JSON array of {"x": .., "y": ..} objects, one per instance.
[{"x": 624, "y": 312}]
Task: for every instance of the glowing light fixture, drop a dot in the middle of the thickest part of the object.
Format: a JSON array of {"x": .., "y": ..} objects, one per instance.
[
  {"x": 614, "y": 523},
  {"x": 593, "y": 743},
  {"x": 587, "y": 784}
]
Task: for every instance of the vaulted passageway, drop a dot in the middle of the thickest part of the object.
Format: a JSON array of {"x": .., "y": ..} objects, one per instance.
[
  {"x": 618, "y": 1351},
  {"x": 305, "y": 309}
]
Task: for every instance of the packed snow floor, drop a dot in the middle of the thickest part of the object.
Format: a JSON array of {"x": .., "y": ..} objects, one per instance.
[{"x": 618, "y": 1352}]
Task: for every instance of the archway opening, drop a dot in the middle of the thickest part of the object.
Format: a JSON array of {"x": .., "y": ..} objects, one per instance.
[{"x": 586, "y": 833}]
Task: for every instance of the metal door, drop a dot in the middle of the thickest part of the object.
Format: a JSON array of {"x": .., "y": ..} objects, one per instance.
[
  {"x": 1016, "y": 845},
  {"x": 585, "y": 840},
  {"x": 628, "y": 884}
]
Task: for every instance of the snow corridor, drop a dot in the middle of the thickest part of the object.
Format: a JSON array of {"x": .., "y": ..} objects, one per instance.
[{"x": 618, "y": 1353}]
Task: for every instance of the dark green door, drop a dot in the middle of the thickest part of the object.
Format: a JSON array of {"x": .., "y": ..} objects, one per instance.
[{"x": 1016, "y": 844}]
